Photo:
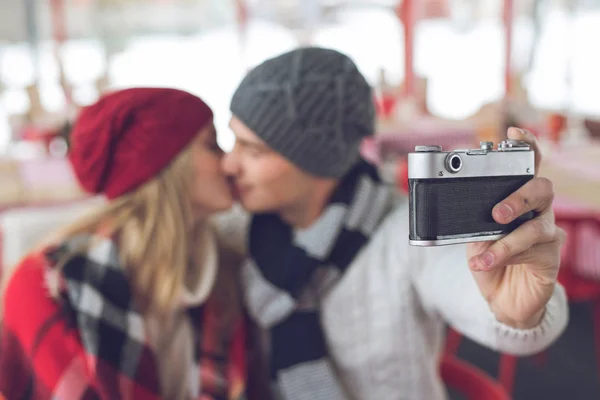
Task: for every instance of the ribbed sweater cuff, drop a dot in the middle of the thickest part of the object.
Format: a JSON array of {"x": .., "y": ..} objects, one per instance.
[{"x": 524, "y": 342}]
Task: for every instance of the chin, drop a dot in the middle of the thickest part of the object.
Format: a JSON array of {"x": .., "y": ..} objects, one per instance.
[
  {"x": 225, "y": 205},
  {"x": 254, "y": 207},
  {"x": 217, "y": 207}
]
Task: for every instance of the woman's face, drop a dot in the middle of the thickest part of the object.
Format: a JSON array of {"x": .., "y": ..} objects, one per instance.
[{"x": 211, "y": 190}]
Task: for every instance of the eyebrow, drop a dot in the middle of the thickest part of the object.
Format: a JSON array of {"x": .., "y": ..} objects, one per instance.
[{"x": 251, "y": 144}]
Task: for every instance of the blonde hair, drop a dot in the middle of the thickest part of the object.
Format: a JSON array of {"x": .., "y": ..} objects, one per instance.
[{"x": 155, "y": 234}]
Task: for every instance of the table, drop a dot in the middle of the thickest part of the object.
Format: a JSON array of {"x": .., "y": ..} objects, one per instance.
[
  {"x": 32, "y": 183},
  {"x": 38, "y": 181},
  {"x": 394, "y": 139},
  {"x": 575, "y": 173}
]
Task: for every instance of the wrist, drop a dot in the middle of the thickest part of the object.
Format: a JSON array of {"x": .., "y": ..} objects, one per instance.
[{"x": 530, "y": 323}]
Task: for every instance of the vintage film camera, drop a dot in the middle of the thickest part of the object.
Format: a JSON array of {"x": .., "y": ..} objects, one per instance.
[{"x": 452, "y": 194}]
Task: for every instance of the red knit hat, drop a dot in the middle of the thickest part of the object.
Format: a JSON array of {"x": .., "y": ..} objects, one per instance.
[{"x": 129, "y": 136}]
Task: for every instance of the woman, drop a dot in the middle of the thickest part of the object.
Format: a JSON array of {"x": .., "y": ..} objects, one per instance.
[{"x": 137, "y": 300}]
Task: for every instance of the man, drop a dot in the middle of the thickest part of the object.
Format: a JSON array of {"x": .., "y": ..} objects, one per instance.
[{"x": 349, "y": 310}]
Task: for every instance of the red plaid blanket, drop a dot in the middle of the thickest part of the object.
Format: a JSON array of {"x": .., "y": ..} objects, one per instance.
[{"x": 92, "y": 345}]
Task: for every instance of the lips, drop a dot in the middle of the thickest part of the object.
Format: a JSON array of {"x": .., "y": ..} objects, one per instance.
[
  {"x": 241, "y": 190},
  {"x": 236, "y": 189},
  {"x": 233, "y": 188},
  {"x": 234, "y": 192}
]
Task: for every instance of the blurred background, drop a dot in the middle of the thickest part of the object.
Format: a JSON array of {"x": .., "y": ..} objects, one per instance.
[{"x": 447, "y": 72}]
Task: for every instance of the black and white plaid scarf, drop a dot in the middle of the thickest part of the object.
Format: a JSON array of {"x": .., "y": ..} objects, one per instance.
[
  {"x": 97, "y": 297},
  {"x": 290, "y": 270}
]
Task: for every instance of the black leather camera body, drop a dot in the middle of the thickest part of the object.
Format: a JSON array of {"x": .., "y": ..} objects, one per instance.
[{"x": 452, "y": 194}]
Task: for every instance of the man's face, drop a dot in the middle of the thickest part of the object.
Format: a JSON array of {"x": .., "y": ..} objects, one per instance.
[{"x": 264, "y": 181}]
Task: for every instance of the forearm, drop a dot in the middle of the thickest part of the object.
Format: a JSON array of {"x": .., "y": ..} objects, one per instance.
[{"x": 448, "y": 289}]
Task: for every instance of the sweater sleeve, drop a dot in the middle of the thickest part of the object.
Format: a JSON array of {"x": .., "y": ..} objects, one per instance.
[{"x": 447, "y": 289}]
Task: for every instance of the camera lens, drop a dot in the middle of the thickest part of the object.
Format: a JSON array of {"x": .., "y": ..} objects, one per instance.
[{"x": 454, "y": 163}]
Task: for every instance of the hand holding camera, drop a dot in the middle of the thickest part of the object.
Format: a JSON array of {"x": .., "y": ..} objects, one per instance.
[{"x": 494, "y": 201}]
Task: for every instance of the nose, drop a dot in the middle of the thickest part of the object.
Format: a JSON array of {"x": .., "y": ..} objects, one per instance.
[{"x": 230, "y": 163}]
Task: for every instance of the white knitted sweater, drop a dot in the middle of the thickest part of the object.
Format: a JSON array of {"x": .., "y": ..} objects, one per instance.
[{"x": 384, "y": 321}]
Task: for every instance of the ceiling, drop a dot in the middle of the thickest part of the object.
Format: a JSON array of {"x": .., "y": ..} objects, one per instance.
[
  {"x": 116, "y": 18},
  {"x": 124, "y": 17},
  {"x": 121, "y": 18}
]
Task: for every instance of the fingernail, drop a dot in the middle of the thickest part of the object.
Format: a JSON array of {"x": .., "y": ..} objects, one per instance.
[
  {"x": 486, "y": 259},
  {"x": 474, "y": 263},
  {"x": 504, "y": 211}
]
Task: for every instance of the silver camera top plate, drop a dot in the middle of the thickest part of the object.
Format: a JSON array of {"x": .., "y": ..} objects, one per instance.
[
  {"x": 513, "y": 145},
  {"x": 512, "y": 158}
]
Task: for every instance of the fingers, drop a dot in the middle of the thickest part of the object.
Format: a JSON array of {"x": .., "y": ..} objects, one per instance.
[
  {"x": 535, "y": 195},
  {"x": 525, "y": 135},
  {"x": 517, "y": 243},
  {"x": 544, "y": 254}
]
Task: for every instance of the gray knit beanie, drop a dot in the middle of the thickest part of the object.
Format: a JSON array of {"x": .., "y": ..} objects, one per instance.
[{"x": 311, "y": 105}]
